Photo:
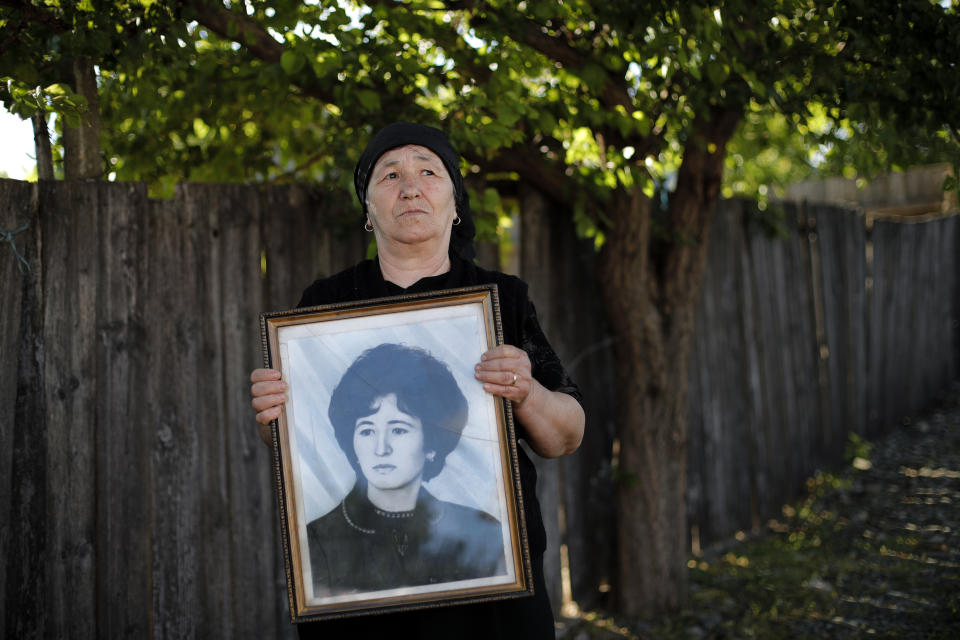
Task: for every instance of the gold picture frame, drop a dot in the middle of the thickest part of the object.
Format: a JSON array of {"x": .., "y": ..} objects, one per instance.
[{"x": 346, "y": 467}]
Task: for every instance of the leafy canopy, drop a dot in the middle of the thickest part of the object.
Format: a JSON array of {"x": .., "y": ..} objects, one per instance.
[{"x": 581, "y": 98}]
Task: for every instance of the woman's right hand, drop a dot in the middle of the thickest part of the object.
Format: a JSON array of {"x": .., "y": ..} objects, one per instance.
[{"x": 267, "y": 395}]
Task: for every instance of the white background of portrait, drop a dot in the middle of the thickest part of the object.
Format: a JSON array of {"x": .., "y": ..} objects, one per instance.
[{"x": 314, "y": 358}]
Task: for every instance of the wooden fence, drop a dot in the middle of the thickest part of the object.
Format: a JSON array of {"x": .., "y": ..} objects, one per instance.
[
  {"x": 802, "y": 340},
  {"x": 136, "y": 497}
]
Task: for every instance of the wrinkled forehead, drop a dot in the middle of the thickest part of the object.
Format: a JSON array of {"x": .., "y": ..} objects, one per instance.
[{"x": 396, "y": 155}]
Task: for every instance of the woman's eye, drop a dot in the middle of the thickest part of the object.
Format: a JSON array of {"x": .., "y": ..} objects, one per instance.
[
  {"x": 428, "y": 172},
  {"x": 365, "y": 431},
  {"x": 399, "y": 431}
]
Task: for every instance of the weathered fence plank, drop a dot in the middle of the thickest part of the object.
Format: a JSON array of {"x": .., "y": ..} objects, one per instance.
[
  {"x": 21, "y": 378},
  {"x": 950, "y": 248},
  {"x": 213, "y": 208},
  {"x": 720, "y": 495},
  {"x": 252, "y": 515},
  {"x": 893, "y": 296},
  {"x": 842, "y": 258},
  {"x": 123, "y": 437},
  {"x": 69, "y": 219},
  {"x": 785, "y": 341},
  {"x": 802, "y": 384},
  {"x": 943, "y": 273},
  {"x": 913, "y": 312},
  {"x": 176, "y": 486}
]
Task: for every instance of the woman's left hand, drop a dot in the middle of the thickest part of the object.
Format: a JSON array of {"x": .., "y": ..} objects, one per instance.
[
  {"x": 505, "y": 371},
  {"x": 553, "y": 421}
]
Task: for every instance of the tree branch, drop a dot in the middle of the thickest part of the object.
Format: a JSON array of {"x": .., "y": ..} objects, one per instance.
[
  {"x": 41, "y": 142},
  {"x": 556, "y": 48},
  {"x": 531, "y": 167},
  {"x": 559, "y": 49},
  {"x": 251, "y": 35},
  {"x": 691, "y": 207},
  {"x": 238, "y": 28}
]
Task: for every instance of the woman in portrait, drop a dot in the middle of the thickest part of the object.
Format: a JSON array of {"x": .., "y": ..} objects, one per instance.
[
  {"x": 396, "y": 414},
  {"x": 415, "y": 203}
]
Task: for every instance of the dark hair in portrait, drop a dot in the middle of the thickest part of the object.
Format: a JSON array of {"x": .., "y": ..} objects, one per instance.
[{"x": 424, "y": 387}]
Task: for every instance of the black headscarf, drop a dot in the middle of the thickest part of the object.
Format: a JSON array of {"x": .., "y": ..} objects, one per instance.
[{"x": 400, "y": 134}]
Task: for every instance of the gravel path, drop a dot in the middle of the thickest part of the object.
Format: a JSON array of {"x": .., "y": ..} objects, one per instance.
[
  {"x": 904, "y": 532},
  {"x": 872, "y": 552}
]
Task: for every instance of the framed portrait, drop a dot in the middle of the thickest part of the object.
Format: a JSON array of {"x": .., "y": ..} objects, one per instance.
[{"x": 396, "y": 472}]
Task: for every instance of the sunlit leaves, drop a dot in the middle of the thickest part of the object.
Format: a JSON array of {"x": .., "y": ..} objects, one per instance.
[
  {"x": 871, "y": 94},
  {"x": 585, "y": 80},
  {"x": 58, "y": 97}
]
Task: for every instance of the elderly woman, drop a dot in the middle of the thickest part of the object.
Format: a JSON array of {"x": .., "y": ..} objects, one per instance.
[
  {"x": 409, "y": 184},
  {"x": 397, "y": 413}
]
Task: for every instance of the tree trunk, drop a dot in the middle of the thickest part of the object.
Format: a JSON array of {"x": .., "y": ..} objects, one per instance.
[
  {"x": 651, "y": 492},
  {"x": 81, "y": 145},
  {"x": 650, "y": 386},
  {"x": 650, "y": 289},
  {"x": 41, "y": 142}
]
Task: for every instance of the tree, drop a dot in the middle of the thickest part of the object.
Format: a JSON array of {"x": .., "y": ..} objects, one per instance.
[
  {"x": 598, "y": 104},
  {"x": 47, "y": 54}
]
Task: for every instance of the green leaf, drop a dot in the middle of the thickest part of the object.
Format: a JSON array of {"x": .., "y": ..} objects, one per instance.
[
  {"x": 491, "y": 200},
  {"x": 594, "y": 75},
  {"x": 326, "y": 63},
  {"x": 369, "y": 99},
  {"x": 717, "y": 73},
  {"x": 59, "y": 89},
  {"x": 507, "y": 114},
  {"x": 292, "y": 62},
  {"x": 23, "y": 109},
  {"x": 546, "y": 122}
]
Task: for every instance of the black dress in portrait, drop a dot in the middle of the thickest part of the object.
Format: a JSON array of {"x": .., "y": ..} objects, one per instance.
[{"x": 359, "y": 548}]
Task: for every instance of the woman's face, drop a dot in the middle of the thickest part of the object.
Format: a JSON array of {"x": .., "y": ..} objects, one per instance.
[
  {"x": 389, "y": 445},
  {"x": 410, "y": 198}
]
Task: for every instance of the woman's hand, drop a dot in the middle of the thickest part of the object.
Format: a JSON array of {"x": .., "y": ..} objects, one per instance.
[
  {"x": 553, "y": 420},
  {"x": 267, "y": 395},
  {"x": 505, "y": 371}
]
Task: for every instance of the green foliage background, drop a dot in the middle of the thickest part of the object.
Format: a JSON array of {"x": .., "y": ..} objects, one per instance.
[{"x": 603, "y": 94}]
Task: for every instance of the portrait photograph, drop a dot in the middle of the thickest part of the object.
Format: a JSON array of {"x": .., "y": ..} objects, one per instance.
[{"x": 396, "y": 469}]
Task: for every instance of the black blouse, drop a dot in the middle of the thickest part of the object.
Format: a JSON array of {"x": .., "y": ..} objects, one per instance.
[
  {"x": 357, "y": 547},
  {"x": 527, "y": 618}
]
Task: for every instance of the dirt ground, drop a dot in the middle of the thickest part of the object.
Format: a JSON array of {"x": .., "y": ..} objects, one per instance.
[{"x": 872, "y": 551}]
